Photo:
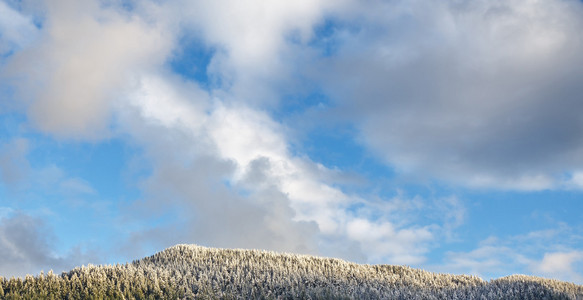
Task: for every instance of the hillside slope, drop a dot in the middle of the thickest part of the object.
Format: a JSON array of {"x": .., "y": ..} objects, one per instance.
[{"x": 189, "y": 272}]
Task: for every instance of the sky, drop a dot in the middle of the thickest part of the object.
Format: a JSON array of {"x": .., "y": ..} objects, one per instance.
[{"x": 442, "y": 135}]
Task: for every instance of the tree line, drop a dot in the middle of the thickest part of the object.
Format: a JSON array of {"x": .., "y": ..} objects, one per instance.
[{"x": 194, "y": 272}]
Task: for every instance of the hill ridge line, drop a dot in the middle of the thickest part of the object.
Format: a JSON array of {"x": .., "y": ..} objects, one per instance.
[{"x": 187, "y": 271}]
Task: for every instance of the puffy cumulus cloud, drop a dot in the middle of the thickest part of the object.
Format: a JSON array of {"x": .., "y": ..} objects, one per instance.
[
  {"x": 86, "y": 52},
  {"x": 480, "y": 93},
  {"x": 27, "y": 246}
]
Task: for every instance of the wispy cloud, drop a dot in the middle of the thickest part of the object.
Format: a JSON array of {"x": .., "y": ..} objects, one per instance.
[{"x": 548, "y": 253}]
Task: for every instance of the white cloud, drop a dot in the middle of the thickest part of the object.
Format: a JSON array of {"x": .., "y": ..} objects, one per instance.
[
  {"x": 576, "y": 180},
  {"x": 559, "y": 261},
  {"x": 170, "y": 102},
  {"x": 243, "y": 135},
  {"x": 72, "y": 74},
  {"x": 561, "y": 265}
]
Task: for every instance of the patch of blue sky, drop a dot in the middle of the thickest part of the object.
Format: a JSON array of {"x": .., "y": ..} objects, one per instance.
[
  {"x": 330, "y": 34},
  {"x": 102, "y": 165},
  {"x": 325, "y": 37},
  {"x": 68, "y": 185},
  {"x": 6, "y": 206},
  {"x": 73, "y": 223},
  {"x": 337, "y": 148},
  {"x": 191, "y": 60},
  {"x": 67, "y": 181},
  {"x": 514, "y": 213},
  {"x": 11, "y": 124},
  {"x": 332, "y": 148},
  {"x": 531, "y": 223},
  {"x": 296, "y": 104},
  {"x": 67, "y": 219}
]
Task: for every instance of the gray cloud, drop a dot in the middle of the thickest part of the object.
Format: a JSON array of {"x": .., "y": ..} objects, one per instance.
[
  {"x": 26, "y": 247},
  {"x": 482, "y": 93},
  {"x": 214, "y": 214}
]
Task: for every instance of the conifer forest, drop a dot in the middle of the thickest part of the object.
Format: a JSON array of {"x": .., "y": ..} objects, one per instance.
[{"x": 194, "y": 272}]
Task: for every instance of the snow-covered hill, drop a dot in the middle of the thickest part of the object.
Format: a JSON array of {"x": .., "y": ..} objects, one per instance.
[{"x": 189, "y": 272}]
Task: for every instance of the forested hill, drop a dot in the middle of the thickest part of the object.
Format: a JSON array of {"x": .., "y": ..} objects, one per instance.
[{"x": 193, "y": 272}]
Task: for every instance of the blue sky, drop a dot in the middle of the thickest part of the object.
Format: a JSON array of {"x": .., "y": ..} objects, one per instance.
[{"x": 441, "y": 135}]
